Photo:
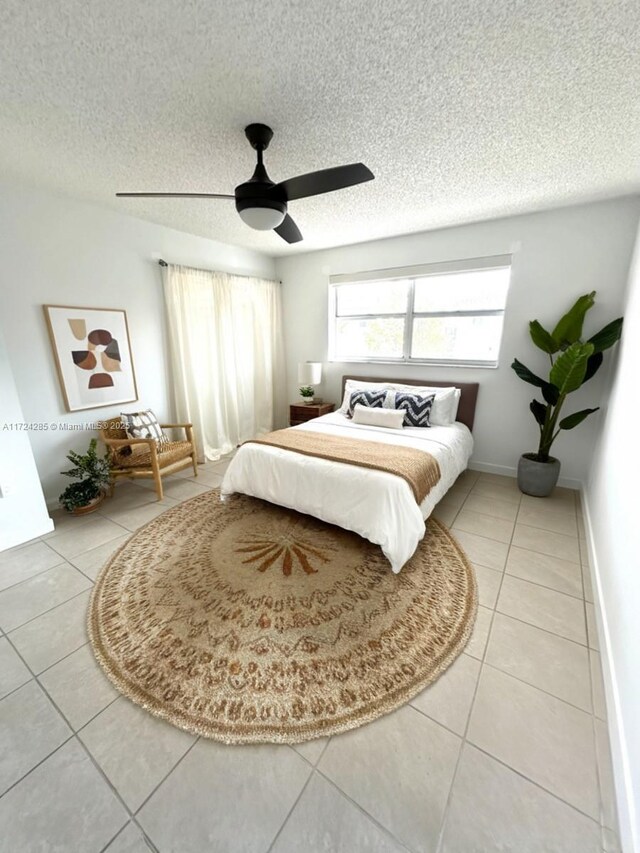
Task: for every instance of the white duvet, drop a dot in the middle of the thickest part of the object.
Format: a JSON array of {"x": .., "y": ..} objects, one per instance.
[{"x": 377, "y": 505}]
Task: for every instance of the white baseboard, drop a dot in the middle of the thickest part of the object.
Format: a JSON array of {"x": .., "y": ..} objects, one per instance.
[
  {"x": 511, "y": 471},
  {"x": 489, "y": 468},
  {"x": 615, "y": 724}
]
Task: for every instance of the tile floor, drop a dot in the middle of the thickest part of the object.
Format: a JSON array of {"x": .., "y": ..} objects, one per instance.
[{"x": 508, "y": 751}]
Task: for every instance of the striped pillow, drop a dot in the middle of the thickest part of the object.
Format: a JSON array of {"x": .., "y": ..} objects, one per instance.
[
  {"x": 417, "y": 407},
  {"x": 372, "y": 399}
]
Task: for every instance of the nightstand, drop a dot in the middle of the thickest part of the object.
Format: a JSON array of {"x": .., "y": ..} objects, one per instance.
[{"x": 301, "y": 414}]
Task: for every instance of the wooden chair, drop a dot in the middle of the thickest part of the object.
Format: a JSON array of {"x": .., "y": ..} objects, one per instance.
[{"x": 146, "y": 458}]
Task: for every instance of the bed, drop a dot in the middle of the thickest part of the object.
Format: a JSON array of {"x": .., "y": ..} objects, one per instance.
[{"x": 375, "y": 504}]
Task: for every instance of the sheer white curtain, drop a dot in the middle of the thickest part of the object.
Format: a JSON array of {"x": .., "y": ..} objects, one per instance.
[{"x": 227, "y": 357}]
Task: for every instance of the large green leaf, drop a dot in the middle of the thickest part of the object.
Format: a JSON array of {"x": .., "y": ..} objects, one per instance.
[
  {"x": 607, "y": 336},
  {"x": 541, "y": 338},
  {"x": 593, "y": 366},
  {"x": 550, "y": 393},
  {"x": 576, "y": 418},
  {"x": 569, "y": 369},
  {"x": 526, "y": 375},
  {"x": 539, "y": 411},
  {"x": 569, "y": 327}
]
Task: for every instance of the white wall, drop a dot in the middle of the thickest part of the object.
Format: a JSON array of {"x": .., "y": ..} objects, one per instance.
[
  {"x": 557, "y": 256},
  {"x": 59, "y": 251},
  {"x": 23, "y": 513},
  {"x": 611, "y": 502}
]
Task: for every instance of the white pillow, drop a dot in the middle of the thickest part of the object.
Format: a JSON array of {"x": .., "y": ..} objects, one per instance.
[
  {"x": 391, "y": 418},
  {"x": 454, "y": 405},
  {"x": 445, "y": 404}
]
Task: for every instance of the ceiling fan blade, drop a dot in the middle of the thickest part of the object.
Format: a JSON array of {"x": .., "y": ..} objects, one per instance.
[
  {"x": 325, "y": 181},
  {"x": 288, "y": 230},
  {"x": 173, "y": 195}
]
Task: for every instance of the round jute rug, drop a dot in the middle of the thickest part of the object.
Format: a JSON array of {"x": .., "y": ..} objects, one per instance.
[{"x": 246, "y": 622}]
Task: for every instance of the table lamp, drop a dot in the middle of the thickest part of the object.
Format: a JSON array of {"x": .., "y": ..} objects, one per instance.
[{"x": 309, "y": 375}]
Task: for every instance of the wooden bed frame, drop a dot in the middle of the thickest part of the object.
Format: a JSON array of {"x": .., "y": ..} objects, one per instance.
[{"x": 468, "y": 392}]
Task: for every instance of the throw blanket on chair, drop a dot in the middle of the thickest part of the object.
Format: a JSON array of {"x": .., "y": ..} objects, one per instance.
[{"x": 419, "y": 469}]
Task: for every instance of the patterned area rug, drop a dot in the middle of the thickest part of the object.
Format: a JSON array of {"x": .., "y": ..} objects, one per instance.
[{"x": 245, "y": 622}]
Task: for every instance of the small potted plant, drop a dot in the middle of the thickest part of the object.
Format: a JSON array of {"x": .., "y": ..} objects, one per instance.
[
  {"x": 92, "y": 473},
  {"x": 307, "y": 393},
  {"x": 572, "y": 363}
]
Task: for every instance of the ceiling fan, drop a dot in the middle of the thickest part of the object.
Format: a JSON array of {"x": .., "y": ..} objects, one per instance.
[{"x": 261, "y": 203}]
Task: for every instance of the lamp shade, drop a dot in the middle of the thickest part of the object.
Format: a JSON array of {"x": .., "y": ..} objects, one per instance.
[{"x": 310, "y": 372}]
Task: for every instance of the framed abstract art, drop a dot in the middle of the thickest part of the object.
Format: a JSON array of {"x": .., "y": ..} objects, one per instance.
[{"x": 92, "y": 354}]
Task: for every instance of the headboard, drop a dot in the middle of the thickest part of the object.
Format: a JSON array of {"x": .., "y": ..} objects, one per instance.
[{"x": 468, "y": 392}]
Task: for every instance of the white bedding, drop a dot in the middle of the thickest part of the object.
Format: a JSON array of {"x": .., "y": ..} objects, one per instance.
[{"x": 377, "y": 505}]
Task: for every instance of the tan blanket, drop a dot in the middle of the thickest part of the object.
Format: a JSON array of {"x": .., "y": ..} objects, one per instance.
[{"x": 419, "y": 469}]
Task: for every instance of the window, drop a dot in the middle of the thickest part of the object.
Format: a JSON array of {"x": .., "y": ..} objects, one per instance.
[{"x": 443, "y": 313}]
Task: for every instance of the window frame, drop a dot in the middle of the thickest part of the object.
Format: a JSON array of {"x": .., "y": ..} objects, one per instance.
[{"x": 411, "y": 274}]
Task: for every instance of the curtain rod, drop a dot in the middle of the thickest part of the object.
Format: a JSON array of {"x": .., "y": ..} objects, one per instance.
[{"x": 163, "y": 263}]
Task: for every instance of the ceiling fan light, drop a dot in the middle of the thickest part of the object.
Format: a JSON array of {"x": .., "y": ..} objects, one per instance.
[{"x": 262, "y": 218}]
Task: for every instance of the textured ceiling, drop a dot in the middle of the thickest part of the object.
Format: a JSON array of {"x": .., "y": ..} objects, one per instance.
[{"x": 463, "y": 109}]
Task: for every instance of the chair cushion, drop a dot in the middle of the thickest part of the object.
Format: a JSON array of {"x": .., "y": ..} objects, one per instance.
[{"x": 170, "y": 452}]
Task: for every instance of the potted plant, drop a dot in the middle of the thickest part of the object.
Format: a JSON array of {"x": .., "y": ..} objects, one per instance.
[
  {"x": 572, "y": 363},
  {"x": 92, "y": 473},
  {"x": 307, "y": 393}
]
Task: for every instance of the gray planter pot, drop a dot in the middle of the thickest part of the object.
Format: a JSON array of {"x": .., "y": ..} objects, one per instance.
[{"x": 537, "y": 478}]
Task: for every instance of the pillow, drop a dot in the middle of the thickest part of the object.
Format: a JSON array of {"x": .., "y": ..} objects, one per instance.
[
  {"x": 391, "y": 418},
  {"x": 455, "y": 404},
  {"x": 445, "y": 403},
  {"x": 352, "y": 385},
  {"x": 372, "y": 399},
  {"x": 143, "y": 425},
  {"x": 416, "y": 407},
  {"x": 443, "y": 411}
]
